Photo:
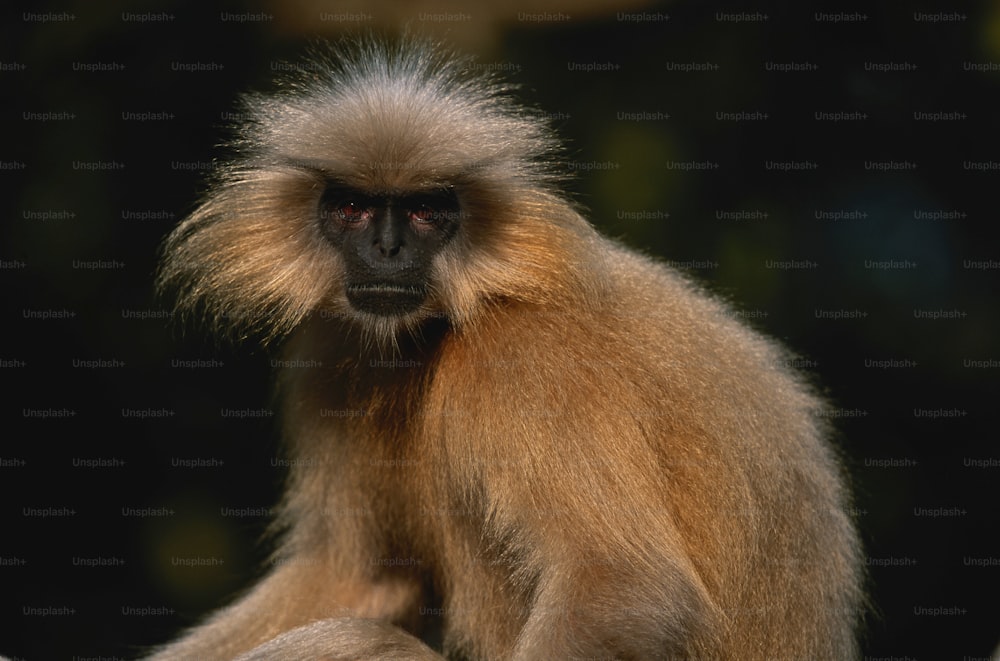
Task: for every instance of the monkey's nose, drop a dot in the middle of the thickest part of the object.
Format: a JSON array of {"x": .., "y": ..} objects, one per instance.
[{"x": 388, "y": 250}]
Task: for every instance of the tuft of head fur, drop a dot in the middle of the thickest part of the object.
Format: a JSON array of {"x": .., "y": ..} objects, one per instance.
[{"x": 389, "y": 118}]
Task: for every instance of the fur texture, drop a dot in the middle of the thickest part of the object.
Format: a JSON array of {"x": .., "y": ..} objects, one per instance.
[{"x": 569, "y": 451}]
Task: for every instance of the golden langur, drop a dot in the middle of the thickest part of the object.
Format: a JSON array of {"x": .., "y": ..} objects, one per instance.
[{"x": 510, "y": 437}]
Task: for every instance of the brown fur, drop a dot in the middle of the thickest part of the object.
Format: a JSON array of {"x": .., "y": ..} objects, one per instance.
[{"x": 569, "y": 451}]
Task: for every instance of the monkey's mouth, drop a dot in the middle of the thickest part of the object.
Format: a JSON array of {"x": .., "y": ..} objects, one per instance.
[{"x": 385, "y": 299}]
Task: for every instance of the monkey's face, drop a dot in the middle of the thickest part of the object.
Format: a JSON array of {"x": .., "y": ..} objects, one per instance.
[
  {"x": 385, "y": 195},
  {"x": 387, "y": 242}
]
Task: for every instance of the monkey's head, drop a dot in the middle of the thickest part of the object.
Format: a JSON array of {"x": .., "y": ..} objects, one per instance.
[{"x": 386, "y": 185}]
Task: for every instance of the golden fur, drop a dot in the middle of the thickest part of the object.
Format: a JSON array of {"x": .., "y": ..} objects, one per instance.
[{"x": 568, "y": 451}]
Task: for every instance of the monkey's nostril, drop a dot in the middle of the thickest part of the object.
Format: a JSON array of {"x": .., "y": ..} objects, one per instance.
[{"x": 390, "y": 251}]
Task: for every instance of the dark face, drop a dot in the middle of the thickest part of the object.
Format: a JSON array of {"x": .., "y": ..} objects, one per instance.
[{"x": 388, "y": 241}]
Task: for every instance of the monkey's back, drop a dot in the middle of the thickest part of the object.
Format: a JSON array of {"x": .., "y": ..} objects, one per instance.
[{"x": 693, "y": 443}]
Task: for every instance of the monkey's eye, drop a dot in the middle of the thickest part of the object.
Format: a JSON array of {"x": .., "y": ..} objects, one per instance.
[
  {"x": 351, "y": 212},
  {"x": 424, "y": 213}
]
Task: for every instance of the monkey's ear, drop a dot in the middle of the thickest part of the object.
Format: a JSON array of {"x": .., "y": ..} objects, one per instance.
[{"x": 250, "y": 260}]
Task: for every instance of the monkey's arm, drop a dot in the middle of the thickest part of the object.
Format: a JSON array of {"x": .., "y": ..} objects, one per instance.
[
  {"x": 577, "y": 491},
  {"x": 300, "y": 592},
  {"x": 615, "y": 580},
  {"x": 344, "y": 639},
  {"x": 657, "y": 504}
]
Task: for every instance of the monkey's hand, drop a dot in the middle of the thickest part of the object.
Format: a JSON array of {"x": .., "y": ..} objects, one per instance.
[{"x": 344, "y": 639}]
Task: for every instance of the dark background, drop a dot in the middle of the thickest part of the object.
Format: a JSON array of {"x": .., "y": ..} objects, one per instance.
[{"x": 892, "y": 304}]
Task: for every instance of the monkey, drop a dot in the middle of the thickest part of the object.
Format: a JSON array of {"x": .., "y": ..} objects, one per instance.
[{"x": 511, "y": 437}]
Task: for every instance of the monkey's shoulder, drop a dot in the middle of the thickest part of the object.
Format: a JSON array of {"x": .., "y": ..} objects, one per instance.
[{"x": 648, "y": 334}]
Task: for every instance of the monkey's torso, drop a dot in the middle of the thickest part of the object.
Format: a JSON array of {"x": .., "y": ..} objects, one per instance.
[{"x": 646, "y": 446}]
